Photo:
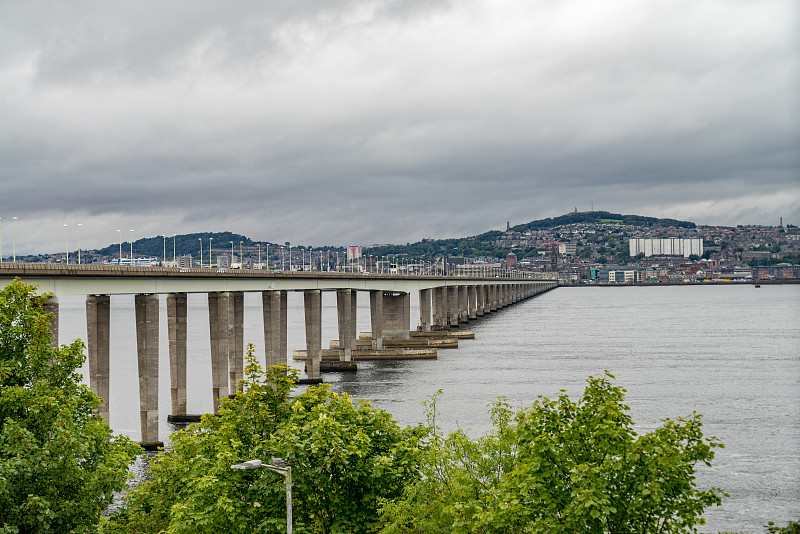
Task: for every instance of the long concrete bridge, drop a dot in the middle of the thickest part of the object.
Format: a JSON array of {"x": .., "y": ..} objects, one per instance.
[{"x": 444, "y": 303}]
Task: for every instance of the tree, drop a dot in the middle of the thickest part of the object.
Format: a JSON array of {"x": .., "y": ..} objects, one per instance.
[
  {"x": 59, "y": 462},
  {"x": 345, "y": 457},
  {"x": 563, "y": 466}
]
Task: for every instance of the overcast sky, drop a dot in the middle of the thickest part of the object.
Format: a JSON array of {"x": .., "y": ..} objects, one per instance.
[{"x": 359, "y": 122}]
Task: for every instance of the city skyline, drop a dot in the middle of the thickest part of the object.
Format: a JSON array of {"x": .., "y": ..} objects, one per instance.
[{"x": 389, "y": 122}]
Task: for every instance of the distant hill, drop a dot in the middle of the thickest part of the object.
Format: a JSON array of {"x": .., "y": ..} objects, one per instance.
[
  {"x": 483, "y": 244},
  {"x": 600, "y": 217},
  {"x": 183, "y": 243}
]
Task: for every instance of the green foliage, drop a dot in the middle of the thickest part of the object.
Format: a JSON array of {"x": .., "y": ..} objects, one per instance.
[
  {"x": 793, "y": 527},
  {"x": 59, "y": 462},
  {"x": 562, "y": 466},
  {"x": 344, "y": 455}
]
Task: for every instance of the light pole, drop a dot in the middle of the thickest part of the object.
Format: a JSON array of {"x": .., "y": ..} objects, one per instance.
[
  {"x": 79, "y": 243},
  {"x": 131, "y": 246},
  {"x": 1, "y": 240},
  {"x": 14, "y": 238},
  {"x": 210, "y": 256},
  {"x": 267, "y": 256},
  {"x": 120, "y": 245},
  {"x": 259, "y": 255},
  {"x": 66, "y": 242},
  {"x": 231, "y": 254},
  {"x": 174, "y": 257},
  {"x": 164, "y": 257},
  {"x": 241, "y": 258},
  {"x": 278, "y": 467},
  {"x": 201, "y": 251}
]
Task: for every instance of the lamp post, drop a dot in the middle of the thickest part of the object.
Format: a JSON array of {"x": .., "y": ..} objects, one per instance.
[
  {"x": 79, "y": 243},
  {"x": 66, "y": 242},
  {"x": 201, "y": 251},
  {"x": 164, "y": 257},
  {"x": 267, "y": 256},
  {"x": 1, "y": 240},
  {"x": 131, "y": 246},
  {"x": 210, "y": 256},
  {"x": 241, "y": 257},
  {"x": 231, "y": 254},
  {"x": 259, "y": 255},
  {"x": 120, "y": 245},
  {"x": 14, "y": 238},
  {"x": 277, "y": 466},
  {"x": 174, "y": 257}
]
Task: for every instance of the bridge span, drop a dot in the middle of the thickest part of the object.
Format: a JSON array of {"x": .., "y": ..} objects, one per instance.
[{"x": 445, "y": 302}]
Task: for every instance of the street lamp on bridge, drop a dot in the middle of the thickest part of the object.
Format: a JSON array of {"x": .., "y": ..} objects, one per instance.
[{"x": 277, "y": 466}]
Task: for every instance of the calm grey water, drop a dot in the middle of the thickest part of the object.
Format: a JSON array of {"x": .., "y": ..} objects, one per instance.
[{"x": 732, "y": 353}]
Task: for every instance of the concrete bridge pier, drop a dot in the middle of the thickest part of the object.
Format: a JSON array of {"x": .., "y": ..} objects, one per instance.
[
  {"x": 273, "y": 307},
  {"x": 425, "y": 310},
  {"x": 452, "y": 306},
  {"x": 98, "y": 321},
  {"x": 482, "y": 292},
  {"x": 236, "y": 342},
  {"x": 492, "y": 292},
  {"x": 472, "y": 294},
  {"x": 463, "y": 305},
  {"x": 312, "y": 299},
  {"x": 51, "y": 307},
  {"x": 396, "y": 315},
  {"x": 147, "y": 309},
  {"x": 346, "y": 308},
  {"x": 439, "y": 308},
  {"x": 219, "y": 323},
  {"x": 176, "y": 327},
  {"x": 376, "y": 318}
]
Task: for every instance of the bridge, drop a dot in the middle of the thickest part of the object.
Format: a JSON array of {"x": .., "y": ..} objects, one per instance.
[{"x": 445, "y": 302}]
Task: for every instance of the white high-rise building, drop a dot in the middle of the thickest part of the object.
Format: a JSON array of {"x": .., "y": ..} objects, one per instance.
[{"x": 673, "y": 246}]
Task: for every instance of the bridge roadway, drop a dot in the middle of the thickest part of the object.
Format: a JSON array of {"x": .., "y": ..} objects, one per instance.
[{"x": 444, "y": 303}]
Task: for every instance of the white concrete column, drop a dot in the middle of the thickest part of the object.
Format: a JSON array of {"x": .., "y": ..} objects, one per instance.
[
  {"x": 472, "y": 298},
  {"x": 51, "y": 307},
  {"x": 147, "y": 352},
  {"x": 98, "y": 321},
  {"x": 425, "y": 310},
  {"x": 312, "y": 300},
  {"x": 346, "y": 315},
  {"x": 273, "y": 305},
  {"x": 376, "y": 318},
  {"x": 452, "y": 306},
  {"x": 176, "y": 326},
  {"x": 236, "y": 341},
  {"x": 219, "y": 326}
]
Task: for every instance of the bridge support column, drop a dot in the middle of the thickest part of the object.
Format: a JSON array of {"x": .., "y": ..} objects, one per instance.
[
  {"x": 312, "y": 299},
  {"x": 51, "y": 307},
  {"x": 425, "y": 310},
  {"x": 481, "y": 302},
  {"x": 397, "y": 315},
  {"x": 452, "y": 306},
  {"x": 236, "y": 342},
  {"x": 147, "y": 351},
  {"x": 346, "y": 308},
  {"x": 472, "y": 294},
  {"x": 439, "y": 308},
  {"x": 98, "y": 321},
  {"x": 219, "y": 325},
  {"x": 176, "y": 326},
  {"x": 463, "y": 305},
  {"x": 273, "y": 307},
  {"x": 376, "y": 318}
]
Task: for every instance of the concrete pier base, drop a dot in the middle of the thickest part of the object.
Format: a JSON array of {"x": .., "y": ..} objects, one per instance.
[
  {"x": 147, "y": 351},
  {"x": 376, "y": 318},
  {"x": 176, "y": 327},
  {"x": 98, "y": 321}
]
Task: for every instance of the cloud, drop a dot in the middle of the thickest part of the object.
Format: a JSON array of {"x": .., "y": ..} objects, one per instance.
[{"x": 362, "y": 122}]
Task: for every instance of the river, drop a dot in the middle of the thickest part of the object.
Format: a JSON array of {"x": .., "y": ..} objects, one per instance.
[{"x": 731, "y": 353}]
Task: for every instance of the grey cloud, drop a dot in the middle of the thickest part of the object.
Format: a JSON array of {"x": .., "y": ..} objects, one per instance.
[{"x": 391, "y": 121}]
